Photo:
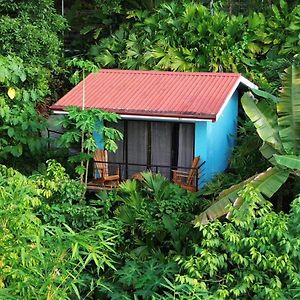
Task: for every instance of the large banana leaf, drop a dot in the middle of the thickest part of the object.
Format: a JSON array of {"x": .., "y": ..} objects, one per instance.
[
  {"x": 265, "y": 95},
  {"x": 288, "y": 109},
  {"x": 270, "y": 181},
  {"x": 268, "y": 152},
  {"x": 267, "y": 183},
  {"x": 264, "y": 120},
  {"x": 289, "y": 161},
  {"x": 222, "y": 204}
]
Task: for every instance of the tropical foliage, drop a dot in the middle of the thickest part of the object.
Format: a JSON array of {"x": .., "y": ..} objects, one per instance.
[
  {"x": 252, "y": 257},
  {"x": 81, "y": 126},
  {"x": 95, "y": 253},
  {"x": 41, "y": 260},
  {"x": 280, "y": 136},
  {"x": 192, "y": 37},
  {"x": 30, "y": 51},
  {"x": 156, "y": 223},
  {"x": 21, "y": 90},
  {"x": 93, "y": 20},
  {"x": 30, "y": 33},
  {"x": 139, "y": 242},
  {"x": 57, "y": 241}
]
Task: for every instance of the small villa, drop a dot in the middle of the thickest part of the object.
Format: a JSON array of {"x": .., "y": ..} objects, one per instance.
[{"x": 167, "y": 118}]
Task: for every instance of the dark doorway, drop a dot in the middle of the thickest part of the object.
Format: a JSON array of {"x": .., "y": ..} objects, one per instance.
[{"x": 154, "y": 145}]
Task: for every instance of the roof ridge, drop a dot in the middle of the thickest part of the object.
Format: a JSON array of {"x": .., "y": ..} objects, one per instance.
[{"x": 171, "y": 73}]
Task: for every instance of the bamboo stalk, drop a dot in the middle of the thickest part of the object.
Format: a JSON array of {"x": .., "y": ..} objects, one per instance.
[
  {"x": 86, "y": 170},
  {"x": 82, "y": 150},
  {"x": 82, "y": 133}
]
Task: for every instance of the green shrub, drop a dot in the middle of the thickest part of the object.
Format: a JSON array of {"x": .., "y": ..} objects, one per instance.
[
  {"x": 63, "y": 199},
  {"x": 255, "y": 256},
  {"x": 42, "y": 261},
  {"x": 155, "y": 220},
  {"x": 140, "y": 278},
  {"x": 155, "y": 213},
  {"x": 56, "y": 185}
]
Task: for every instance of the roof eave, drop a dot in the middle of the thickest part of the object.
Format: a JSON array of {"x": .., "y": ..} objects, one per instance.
[
  {"x": 57, "y": 109},
  {"x": 248, "y": 83},
  {"x": 241, "y": 80}
]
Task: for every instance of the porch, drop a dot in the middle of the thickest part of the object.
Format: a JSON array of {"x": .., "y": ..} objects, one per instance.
[
  {"x": 120, "y": 171},
  {"x": 161, "y": 147}
]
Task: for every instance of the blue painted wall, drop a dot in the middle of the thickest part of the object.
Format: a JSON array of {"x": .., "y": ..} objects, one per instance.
[
  {"x": 99, "y": 142},
  {"x": 98, "y": 137},
  {"x": 214, "y": 141}
]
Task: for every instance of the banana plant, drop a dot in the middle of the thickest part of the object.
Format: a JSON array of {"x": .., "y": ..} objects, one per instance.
[{"x": 280, "y": 133}]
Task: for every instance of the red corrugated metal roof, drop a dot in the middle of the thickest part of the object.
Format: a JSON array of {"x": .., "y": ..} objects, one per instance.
[{"x": 154, "y": 93}]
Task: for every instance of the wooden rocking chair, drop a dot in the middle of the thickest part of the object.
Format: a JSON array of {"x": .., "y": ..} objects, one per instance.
[
  {"x": 187, "y": 180},
  {"x": 101, "y": 170}
]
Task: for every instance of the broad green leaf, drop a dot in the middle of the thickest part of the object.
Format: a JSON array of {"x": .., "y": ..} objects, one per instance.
[
  {"x": 126, "y": 214},
  {"x": 10, "y": 131},
  {"x": 222, "y": 204},
  {"x": 6, "y": 294},
  {"x": 289, "y": 161},
  {"x": 26, "y": 96},
  {"x": 254, "y": 48},
  {"x": 69, "y": 229},
  {"x": 268, "y": 152},
  {"x": 34, "y": 95},
  {"x": 255, "y": 20},
  {"x": 97, "y": 33},
  {"x": 270, "y": 181},
  {"x": 23, "y": 256},
  {"x": 75, "y": 250},
  {"x": 158, "y": 53},
  {"x": 80, "y": 170},
  {"x": 23, "y": 76},
  {"x": 87, "y": 29},
  {"x": 16, "y": 150},
  {"x": 264, "y": 121},
  {"x": 110, "y": 145},
  {"x": 288, "y": 109},
  {"x": 265, "y": 95},
  {"x": 11, "y": 93},
  {"x": 106, "y": 59},
  {"x": 90, "y": 144},
  {"x": 4, "y": 73},
  {"x": 267, "y": 183}
]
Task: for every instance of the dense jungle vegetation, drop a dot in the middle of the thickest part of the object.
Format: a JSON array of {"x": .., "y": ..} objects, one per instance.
[{"x": 237, "y": 238}]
